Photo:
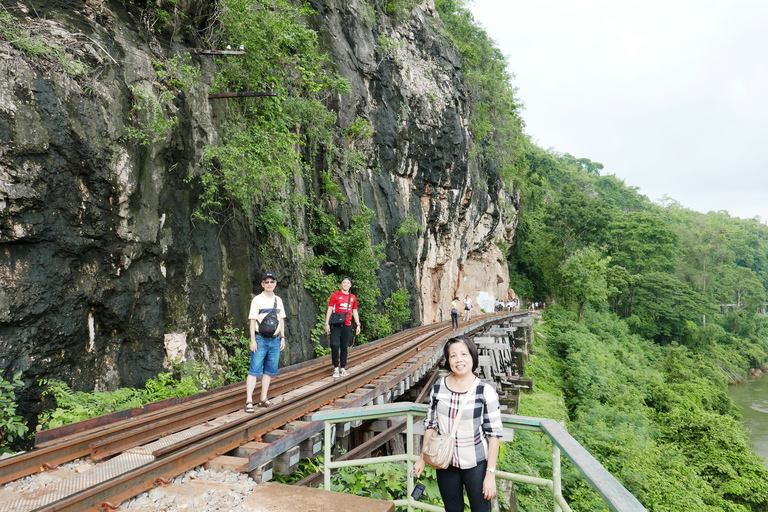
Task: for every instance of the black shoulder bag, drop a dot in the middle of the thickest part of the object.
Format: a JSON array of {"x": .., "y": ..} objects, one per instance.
[
  {"x": 268, "y": 326},
  {"x": 340, "y": 318}
]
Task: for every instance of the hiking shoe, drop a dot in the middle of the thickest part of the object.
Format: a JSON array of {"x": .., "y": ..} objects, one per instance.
[
  {"x": 335, "y": 373},
  {"x": 344, "y": 372}
]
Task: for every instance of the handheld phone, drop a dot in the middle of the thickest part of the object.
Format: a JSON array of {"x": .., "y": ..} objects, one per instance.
[{"x": 418, "y": 491}]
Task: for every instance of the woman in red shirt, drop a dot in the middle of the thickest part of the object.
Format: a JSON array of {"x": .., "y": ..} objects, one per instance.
[{"x": 342, "y": 306}]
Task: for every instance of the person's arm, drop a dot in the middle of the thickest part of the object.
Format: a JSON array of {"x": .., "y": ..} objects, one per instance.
[
  {"x": 430, "y": 425},
  {"x": 357, "y": 320},
  {"x": 489, "y": 482},
  {"x": 282, "y": 324},
  {"x": 328, "y": 319},
  {"x": 494, "y": 429},
  {"x": 253, "y": 323},
  {"x": 418, "y": 466}
]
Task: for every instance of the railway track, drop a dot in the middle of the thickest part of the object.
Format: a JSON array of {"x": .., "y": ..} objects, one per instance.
[{"x": 141, "y": 448}]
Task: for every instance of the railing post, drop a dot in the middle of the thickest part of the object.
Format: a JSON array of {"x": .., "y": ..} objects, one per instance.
[
  {"x": 409, "y": 451},
  {"x": 328, "y": 446},
  {"x": 557, "y": 489}
]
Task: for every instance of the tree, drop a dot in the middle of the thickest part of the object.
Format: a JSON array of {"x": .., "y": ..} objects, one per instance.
[
  {"x": 583, "y": 278},
  {"x": 584, "y": 164},
  {"x": 576, "y": 221},
  {"x": 742, "y": 287},
  {"x": 620, "y": 289},
  {"x": 704, "y": 245},
  {"x": 663, "y": 307},
  {"x": 641, "y": 242}
]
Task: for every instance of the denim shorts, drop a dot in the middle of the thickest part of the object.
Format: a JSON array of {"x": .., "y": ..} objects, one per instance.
[{"x": 264, "y": 360}]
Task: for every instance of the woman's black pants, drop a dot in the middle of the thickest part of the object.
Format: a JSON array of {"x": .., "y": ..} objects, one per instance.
[
  {"x": 455, "y": 320},
  {"x": 452, "y": 481},
  {"x": 340, "y": 335}
]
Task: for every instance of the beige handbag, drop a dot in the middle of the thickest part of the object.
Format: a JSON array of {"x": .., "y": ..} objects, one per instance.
[{"x": 438, "y": 450}]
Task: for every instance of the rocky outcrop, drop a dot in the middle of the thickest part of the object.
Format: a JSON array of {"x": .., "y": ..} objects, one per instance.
[
  {"x": 103, "y": 273},
  {"x": 413, "y": 94}
]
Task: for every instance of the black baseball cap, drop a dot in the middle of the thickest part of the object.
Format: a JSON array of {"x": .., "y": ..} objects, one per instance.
[{"x": 267, "y": 275}]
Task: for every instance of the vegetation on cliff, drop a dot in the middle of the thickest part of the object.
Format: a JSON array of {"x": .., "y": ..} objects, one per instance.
[
  {"x": 295, "y": 133},
  {"x": 495, "y": 123}
]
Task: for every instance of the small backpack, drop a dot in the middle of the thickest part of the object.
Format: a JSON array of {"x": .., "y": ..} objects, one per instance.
[{"x": 268, "y": 326}]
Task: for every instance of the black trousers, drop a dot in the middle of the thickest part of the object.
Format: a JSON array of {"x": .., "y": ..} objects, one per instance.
[
  {"x": 340, "y": 335},
  {"x": 455, "y": 320},
  {"x": 452, "y": 481}
]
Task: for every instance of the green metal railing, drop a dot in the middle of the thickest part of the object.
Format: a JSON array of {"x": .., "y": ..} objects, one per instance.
[{"x": 613, "y": 493}]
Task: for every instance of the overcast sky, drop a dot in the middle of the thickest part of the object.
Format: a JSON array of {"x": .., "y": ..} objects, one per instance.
[{"x": 671, "y": 96}]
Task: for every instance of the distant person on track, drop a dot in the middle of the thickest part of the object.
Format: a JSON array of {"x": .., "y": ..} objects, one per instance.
[
  {"x": 479, "y": 432},
  {"x": 467, "y": 309},
  {"x": 455, "y": 305},
  {"x": 265, "y": 348},
  {"x": 342, "y": 306}
]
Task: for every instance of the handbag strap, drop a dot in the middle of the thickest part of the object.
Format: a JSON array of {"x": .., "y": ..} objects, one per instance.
[
  {"x": 464, "y": 401},
  {"x": 274, "y": 308}
]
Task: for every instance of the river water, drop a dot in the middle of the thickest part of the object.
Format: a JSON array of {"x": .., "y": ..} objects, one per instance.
[{"x": 752, "y": 398}]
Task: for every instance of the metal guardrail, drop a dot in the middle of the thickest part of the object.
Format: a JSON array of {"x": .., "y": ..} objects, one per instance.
[{"x": 615, "y": 495}]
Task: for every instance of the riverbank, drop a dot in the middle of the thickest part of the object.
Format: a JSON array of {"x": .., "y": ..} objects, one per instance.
[
  {"x": 751, "y": 397},
  {"x": 757, "y": 372}
]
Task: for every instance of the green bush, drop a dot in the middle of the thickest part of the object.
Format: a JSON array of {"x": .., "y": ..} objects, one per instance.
[
  {"x": 398, "y": 308},
  {"x": 238, "y": 342},
  {"x": 71, "y": 406},
  {"x": 12, "y": 426},
  {"x": 254, "y": 168}
]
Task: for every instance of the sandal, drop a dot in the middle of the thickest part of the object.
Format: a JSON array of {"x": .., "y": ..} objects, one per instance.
[
  {"x": 265, "y": 403},
  {"x": 249, "y": 407}
]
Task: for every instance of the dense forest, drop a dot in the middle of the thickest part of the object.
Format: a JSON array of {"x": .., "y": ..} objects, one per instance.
[{"x": 634, "y": 351}]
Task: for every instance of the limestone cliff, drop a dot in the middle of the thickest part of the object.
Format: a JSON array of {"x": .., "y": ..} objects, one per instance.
[{"x": 103, "y": 272}]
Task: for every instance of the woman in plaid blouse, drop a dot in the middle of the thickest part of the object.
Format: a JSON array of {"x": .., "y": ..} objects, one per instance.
[{"x": 478, "y": 434}]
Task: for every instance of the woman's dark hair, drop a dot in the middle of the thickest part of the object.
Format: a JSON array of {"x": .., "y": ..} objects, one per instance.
[
  {"x": 470, "y": 346},
  {"x": 455, "y": 298},
  {"x": 347, "y": 278}
]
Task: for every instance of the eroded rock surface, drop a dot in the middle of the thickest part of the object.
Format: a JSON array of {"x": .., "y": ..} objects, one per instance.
[{"x": 103, "y": 272}]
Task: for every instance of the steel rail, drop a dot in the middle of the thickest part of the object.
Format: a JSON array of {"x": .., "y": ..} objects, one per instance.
[
  {"x": 56, "y": 434},
  {"x": 366, "y": 448},
  {"x": 226, "y": 404},
  {"x": 189, "y": 454},
  {"x": 102, "y": 437},
  {"x": 185, "y": 456}
]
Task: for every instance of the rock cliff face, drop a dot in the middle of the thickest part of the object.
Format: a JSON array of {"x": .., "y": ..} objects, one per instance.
[
  {"x": 416, "y": 100},
  {"x": 103, "y": 272}
]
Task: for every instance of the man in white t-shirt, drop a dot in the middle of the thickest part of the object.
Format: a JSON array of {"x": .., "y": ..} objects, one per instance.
[{"x": 265, "y": 351}]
